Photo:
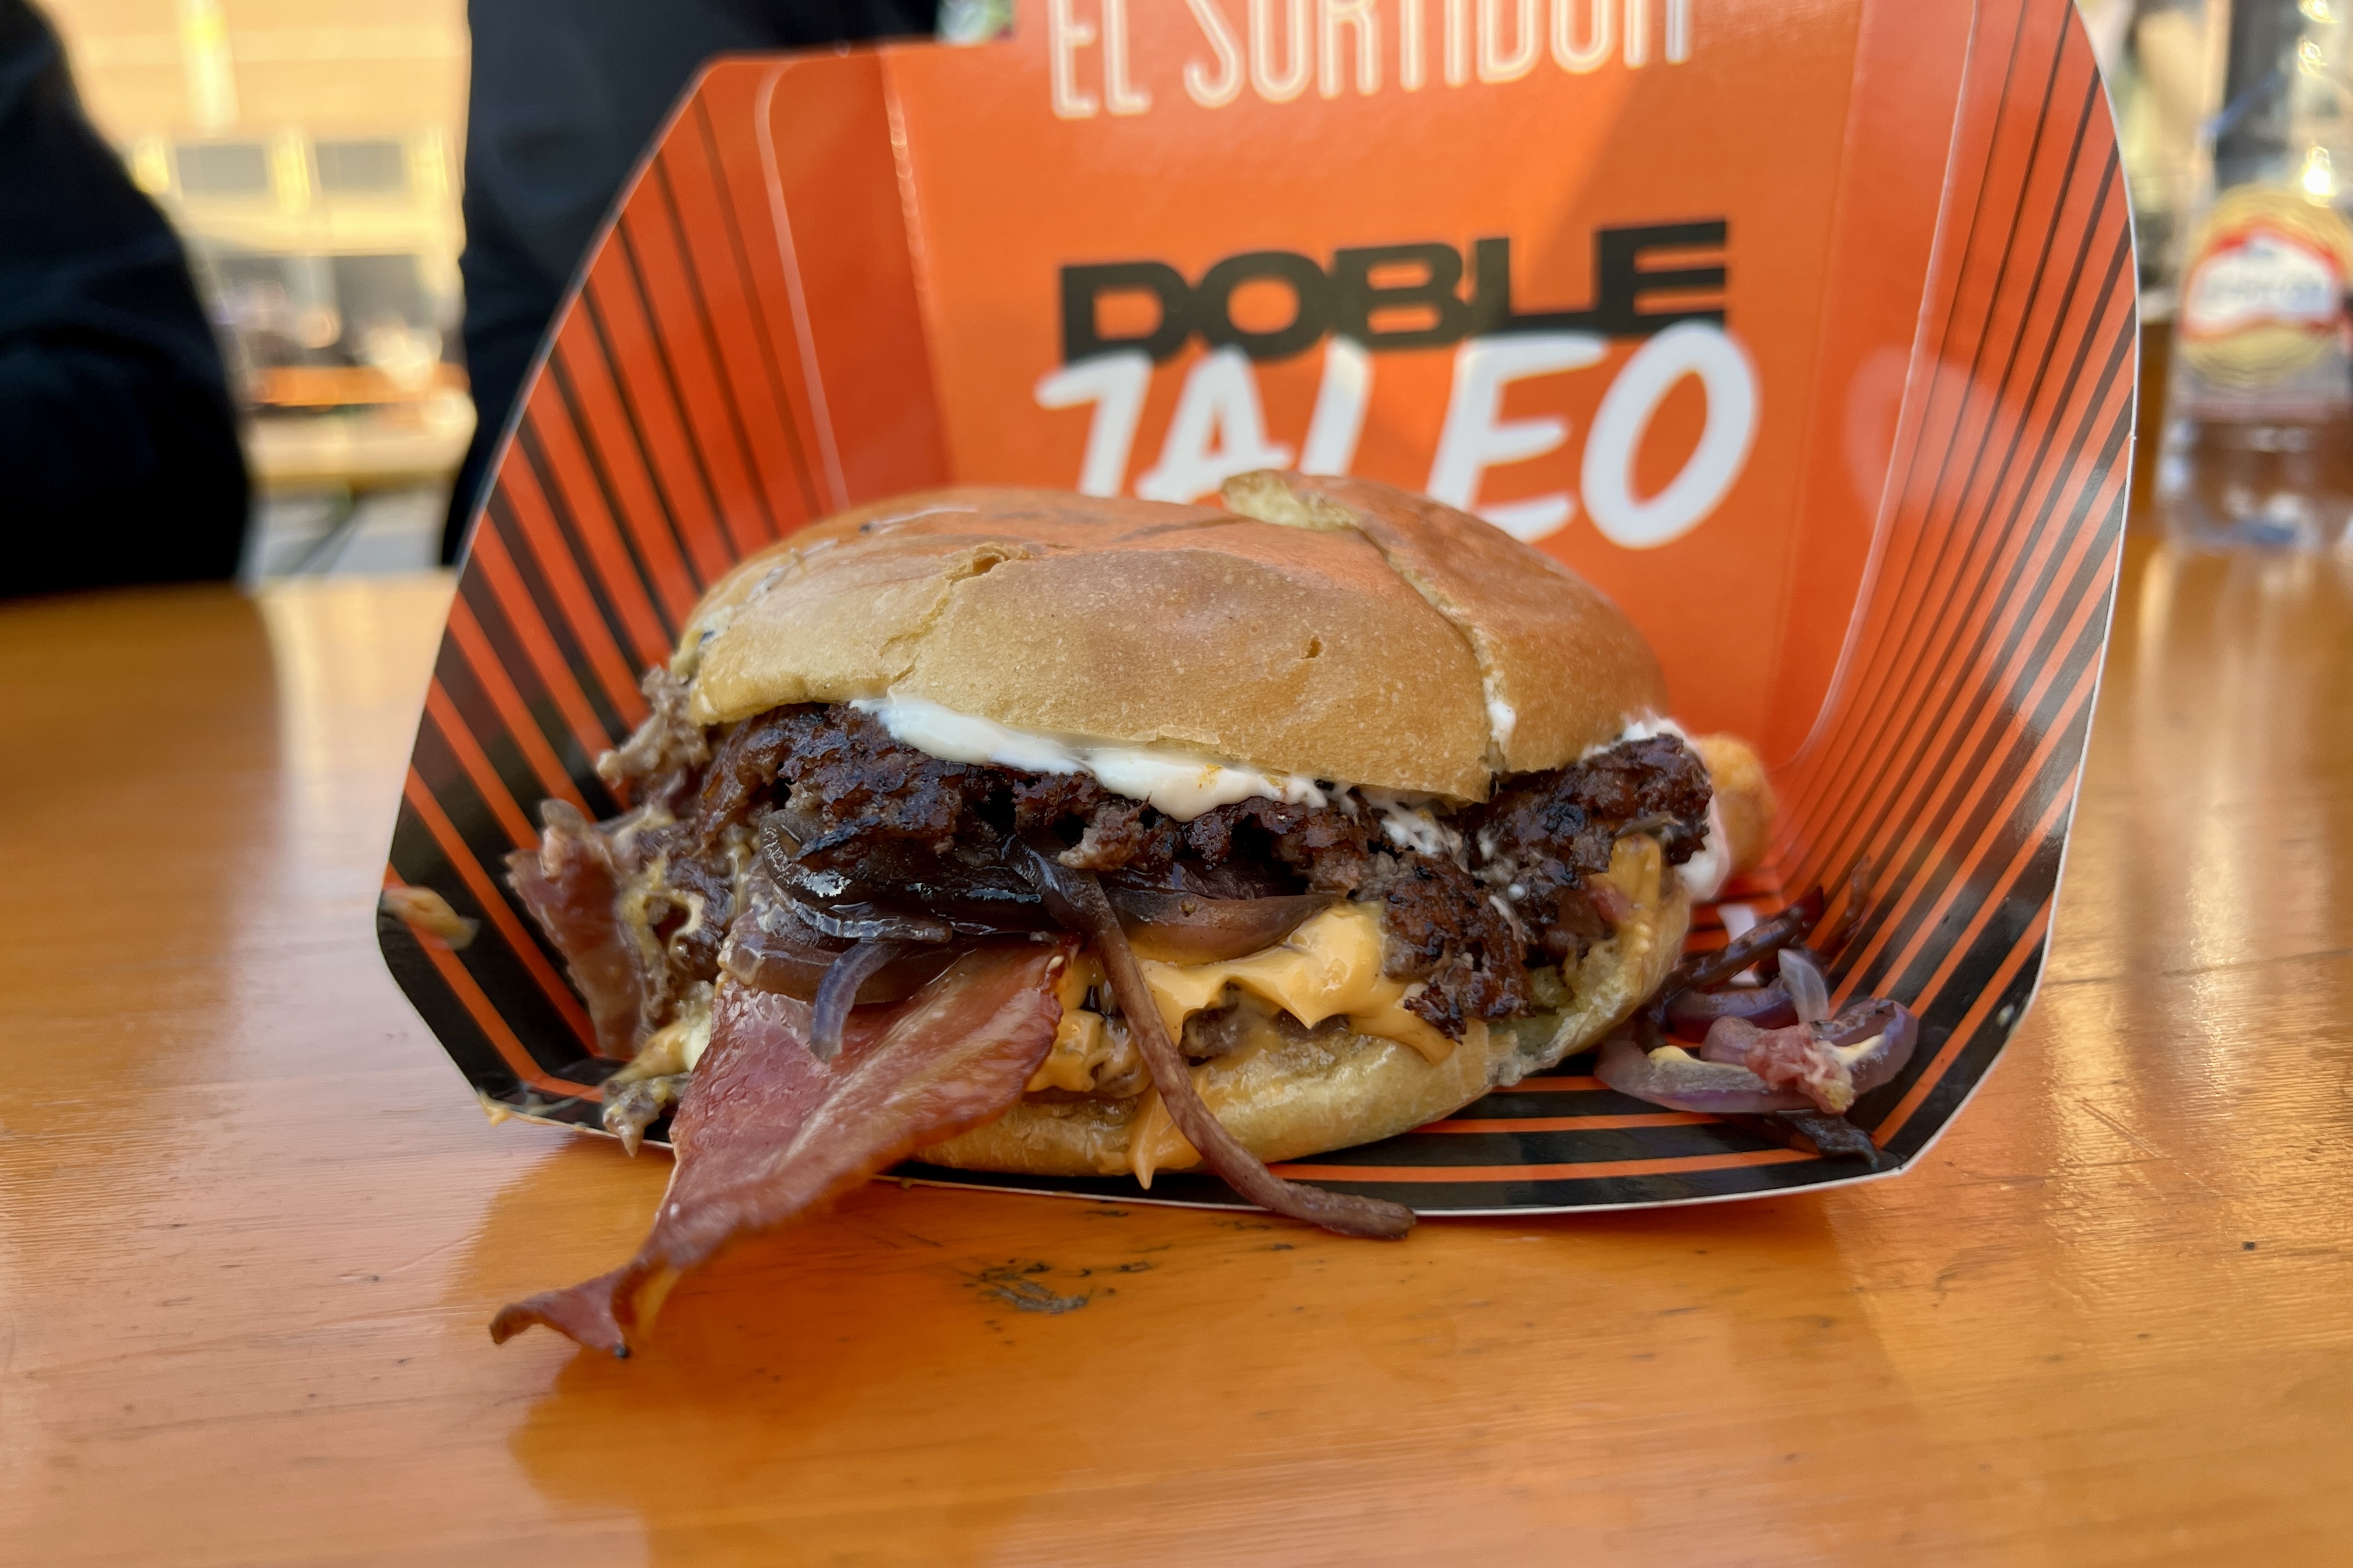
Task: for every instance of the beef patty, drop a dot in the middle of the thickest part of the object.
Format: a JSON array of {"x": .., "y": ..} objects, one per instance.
[{"x": 1502, "y": 886}]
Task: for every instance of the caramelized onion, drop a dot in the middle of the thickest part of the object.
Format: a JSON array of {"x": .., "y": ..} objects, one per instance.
[
  {"x": 838, "y": 993},
  {"x": 1076, "y": 900},
  {"x": 969, "y": 895},
  {"x": 1680, "y": 1081},
  {"x": 1801, "y": 977},
  {"x": 1765, "y": 936},
  {"x": 770, "y": 949},
  {"x": 1691, "y": 1015},
  {"x": 1831, "y": 1062},
  {"x": 1187, "y": 928},
  {"x": 857, "y": 921}
]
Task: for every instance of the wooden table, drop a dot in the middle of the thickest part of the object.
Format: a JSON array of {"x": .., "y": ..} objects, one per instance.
[{"x": 251, "y": 1223}]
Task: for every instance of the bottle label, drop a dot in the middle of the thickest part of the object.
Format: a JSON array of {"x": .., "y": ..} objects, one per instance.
[{"x": 2263, "y": 295}]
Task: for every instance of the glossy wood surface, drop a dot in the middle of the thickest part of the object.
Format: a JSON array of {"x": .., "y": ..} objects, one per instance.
[{"x": 252, "y": 1225}]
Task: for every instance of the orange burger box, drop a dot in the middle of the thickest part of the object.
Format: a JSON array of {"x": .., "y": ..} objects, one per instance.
[{"x": 1806, "y": 333}]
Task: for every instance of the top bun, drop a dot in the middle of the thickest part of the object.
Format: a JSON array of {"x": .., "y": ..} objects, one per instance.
[{"x": 1332, "y": 629}]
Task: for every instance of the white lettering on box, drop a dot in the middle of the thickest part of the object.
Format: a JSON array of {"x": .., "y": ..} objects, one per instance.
[
  {"x": 1298, "y": 50},
  {"x": 1215, "y": 91},
  {"x": 1363, "y": 20},
  {"x": 1678, "y": 31},
  {"x": 1218, "y": 430},
  {"x": 1115, "y": 383},
  {"x": 1476, "y": 436},
  {"x": 1689, "y": 348},
  {"x": 1065, "y": 36},
  {"x": 1527, "y": 38},
  {"x": 1278, "y": 47},
  {"x": 1580, "y": 54},
  {"x": 1458, "y": 42},
  {"x": 1121, "y": 95}
]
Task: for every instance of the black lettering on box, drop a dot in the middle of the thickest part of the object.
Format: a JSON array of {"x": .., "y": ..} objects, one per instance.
[
  {"x": 1356, "y": 298},
  {"x": 1084, "y": 286}
]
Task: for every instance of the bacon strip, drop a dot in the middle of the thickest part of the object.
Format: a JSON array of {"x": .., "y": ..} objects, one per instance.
[
  {"x": 768, "y": 1134},
  {"x": 572, "y": 886}
]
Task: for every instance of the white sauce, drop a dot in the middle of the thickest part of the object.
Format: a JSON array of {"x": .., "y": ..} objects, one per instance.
[
  {"x": 1185, "y": 783},
  {"x": 1647, "y": 729},
  {"x": 1409, "y": 822},
  {"x": 1706, "y": 873},
  {"x": 1502, "y": 719},
  {"x": 1181, "y": 783}
]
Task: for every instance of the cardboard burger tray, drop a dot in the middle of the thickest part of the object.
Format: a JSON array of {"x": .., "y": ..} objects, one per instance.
[{"x": 1807, "y": 332}]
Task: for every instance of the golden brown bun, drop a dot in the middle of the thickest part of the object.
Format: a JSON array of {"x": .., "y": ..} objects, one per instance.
[
  {"x": 1567, "y": 666},
  {"x": 1360, "y": 647},
  {"x": 1334, "y": 1090}
]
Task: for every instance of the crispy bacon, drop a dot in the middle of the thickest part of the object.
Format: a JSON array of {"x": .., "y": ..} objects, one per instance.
[
  {"x": 572, "y": 886},
  {"x": 768, "y": 1134}
]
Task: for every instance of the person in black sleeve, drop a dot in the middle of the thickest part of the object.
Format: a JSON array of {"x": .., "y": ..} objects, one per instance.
[
  {"x": 566, "y": 95},
  {"x": 119, "y": 457}
]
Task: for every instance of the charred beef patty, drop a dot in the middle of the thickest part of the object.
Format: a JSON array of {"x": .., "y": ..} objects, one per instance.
[{"x": 859, "y": 810}]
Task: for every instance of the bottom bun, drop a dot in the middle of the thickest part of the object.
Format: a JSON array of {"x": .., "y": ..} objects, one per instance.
[{"x": 1307, "y": 1092}]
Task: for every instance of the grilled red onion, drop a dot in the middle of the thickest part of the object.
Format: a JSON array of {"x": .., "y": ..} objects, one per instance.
[
  {"x": 1810, "y": 993},
  {"x": 769, "y": 949},
  {"x": 972, "y": 897},
  {"x": 1708, "y": 969},
  {"x": 860, "y": 922},
  {"x": 838, "y": 992},
  {"x": 1890, "y": 1030},
  {"x": 1831, "y": 1062},
  {"x": 1675, "y": 1079},
  {"x": 1691, "y": 1015},
  {"x": 1186, "y": 928},
  {"x": 1076, "y": 899}
]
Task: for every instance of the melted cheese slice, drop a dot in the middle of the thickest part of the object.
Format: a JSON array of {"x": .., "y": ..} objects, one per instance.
[
  {"x": 1085, "y": 1042},
  {"x": 1329, "y": 967}
]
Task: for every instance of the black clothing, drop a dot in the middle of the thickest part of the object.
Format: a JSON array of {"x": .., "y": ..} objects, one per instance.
[
  {"x": 566, "y": 94},
  {"x": 119, "y": 457}
]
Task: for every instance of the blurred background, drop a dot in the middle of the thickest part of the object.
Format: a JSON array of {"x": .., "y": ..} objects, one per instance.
[{"x": 309, "y": 152}]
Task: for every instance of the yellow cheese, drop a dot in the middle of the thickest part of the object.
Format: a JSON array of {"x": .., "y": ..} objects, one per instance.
[
  {"x": 1082, "y": 1042},
  {"x": 1154, "y": 1140},
  {"x": 1638, "y": 870},
  {"x": 1329, "y": 967}
]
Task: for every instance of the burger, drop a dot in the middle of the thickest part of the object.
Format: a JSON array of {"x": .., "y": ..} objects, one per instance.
[{"x": 1069, "y": 835}]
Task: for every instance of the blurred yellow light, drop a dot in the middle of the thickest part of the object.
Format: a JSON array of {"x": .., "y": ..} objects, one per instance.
[
  {"x": 151, "y": 166},
  {"x": 2319, "y": 176}
]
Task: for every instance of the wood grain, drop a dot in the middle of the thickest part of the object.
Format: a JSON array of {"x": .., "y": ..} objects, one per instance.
[{"x": 252, "y": 1226}]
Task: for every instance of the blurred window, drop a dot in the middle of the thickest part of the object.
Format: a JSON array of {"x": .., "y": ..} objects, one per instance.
[
  {"x": 376, "y": 167},
  {"x": 389, "y": 289},
  {"x": 223, "y": 168}
]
